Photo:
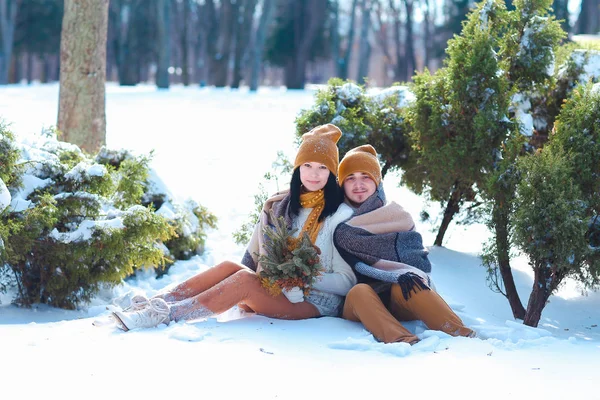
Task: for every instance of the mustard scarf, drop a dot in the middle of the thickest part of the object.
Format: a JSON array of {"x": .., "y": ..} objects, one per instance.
[{"x": 316, "y": 201}]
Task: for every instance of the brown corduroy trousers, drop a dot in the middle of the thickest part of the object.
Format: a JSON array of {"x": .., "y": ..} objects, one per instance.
[{"x": 364, "y": 305}]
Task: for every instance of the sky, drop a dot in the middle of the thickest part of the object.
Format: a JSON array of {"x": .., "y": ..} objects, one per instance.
[{"x": 214, "y": 146}]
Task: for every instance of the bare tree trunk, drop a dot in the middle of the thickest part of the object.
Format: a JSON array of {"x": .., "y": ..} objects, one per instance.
[
  {"x": 426, "y": 32},
  {"x": 343, "y": 63},
  {"x": 259, "y": 43},
  {"x": 227, "y": 17},
  {"x": 185, "y": 45},
  {"x": 400, "y": 70},
  {"x": 544, "y": 283},
  {"x": 210, "y": 37},
  {"x": 45, "y": 78},
  {"x": 8, "y": 17},
  {"x": 410, "y": 48},
  {"x": 452, "y": 208},
  {"x": 309, "y": 19},
  {"x": 242, "y": 36},
  {"x": 561, "y": 11},
  {"x": 163, "y": 16},
  {"x": 81, "y": 110},
  {"x": 334, "y": 33},
  {"x": 589, "y": 17},
  {"x": 14, "y": 70},
  {"x": 125, "y": 41},
  {"x": 29, "y": 58},
  {"x": 365, "y": 46},
  {"x": 383, "y": 36},
  {"x": 503, "y": 257}
]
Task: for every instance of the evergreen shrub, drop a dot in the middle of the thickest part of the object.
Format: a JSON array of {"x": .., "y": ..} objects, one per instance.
[
  {"x": 375, "y": 117},
  {"x": 77, "y": 222}
]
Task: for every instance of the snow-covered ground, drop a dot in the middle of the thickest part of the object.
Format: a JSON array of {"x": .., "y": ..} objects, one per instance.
[{"x": 214, "y": 146}]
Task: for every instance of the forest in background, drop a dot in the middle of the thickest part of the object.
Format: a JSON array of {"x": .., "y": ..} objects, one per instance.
[{"x": 254, "y": 42}]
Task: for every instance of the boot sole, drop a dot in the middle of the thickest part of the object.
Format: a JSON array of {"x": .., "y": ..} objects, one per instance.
[{"x": 120, "y": 322}]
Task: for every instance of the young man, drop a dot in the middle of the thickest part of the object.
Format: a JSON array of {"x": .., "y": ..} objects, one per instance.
[{"x": 388, "y": 257}]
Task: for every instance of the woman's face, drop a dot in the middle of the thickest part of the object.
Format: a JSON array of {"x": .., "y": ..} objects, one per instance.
[
  {"x": 313, "y": 175},
  {"x": 358, "y": 187}
]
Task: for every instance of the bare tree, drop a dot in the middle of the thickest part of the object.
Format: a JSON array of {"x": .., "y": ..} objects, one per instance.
[
  {"x": 388, "y": 18},
  {"x": 242, "y": 38},
  {"x": 163, "y": 17},
  {"x": 307, "y": 24},
  {"x": 400, "y": 49},
  {"x": 81, "y": 109},
  {"x": 259, "y": 43},
  {"x": 561, "y": 11},
  {"x": 343, "y": 52},
  {"x": 185, "y": 43},
  {"x": 126, "y": 38},
  {"x": 428, "y": 31},
  {"x": 227, "y": 15},
  {"x": 364, "y": 46},
  {"x": 411, "y": 60},
  {"x": 209, "y": 37},
  {"x": 589, "y": 17},
  {"x": 8, "y": 18}
]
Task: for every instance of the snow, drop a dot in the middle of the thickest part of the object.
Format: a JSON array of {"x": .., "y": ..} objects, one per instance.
[
  {"x": 484, "y": 14},
  {"x": 83, "y": 171},
  {"x": 590, "y": 60},
  {"x": 30, "y": 183},
  {"x": 5, "y": 197},
  {"x": 85, "y": 230},
  {"x": 349, "y": 92},
  {"x": 522, "y": 109},
  {"x": 405, "y": 96},
  {"x": 214, "y": 146}
]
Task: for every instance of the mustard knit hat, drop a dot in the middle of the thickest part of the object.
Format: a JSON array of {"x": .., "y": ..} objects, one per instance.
[
  {"x": 360, "y": 159},
  {"x": 320, "y": 145}
]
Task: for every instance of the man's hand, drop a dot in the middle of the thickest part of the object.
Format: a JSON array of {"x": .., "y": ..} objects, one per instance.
[{"x": 294, "y": 295}]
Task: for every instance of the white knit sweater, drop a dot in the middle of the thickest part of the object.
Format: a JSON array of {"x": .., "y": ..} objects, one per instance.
[{"x": 337, "y": 277}]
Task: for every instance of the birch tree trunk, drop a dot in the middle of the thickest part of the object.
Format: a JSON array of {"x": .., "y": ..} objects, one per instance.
[
  {"x": 81, "y": 109},
  {"x": 8, "y": 17}
]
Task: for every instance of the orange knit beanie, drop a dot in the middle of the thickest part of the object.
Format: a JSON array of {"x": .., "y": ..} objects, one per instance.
[
  {"x": 320, "y": 145},
  {"x": 360, "y": 159}
]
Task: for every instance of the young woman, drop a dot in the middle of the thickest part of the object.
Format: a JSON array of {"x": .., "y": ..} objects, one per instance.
[
  {"x": 387, "y": 254},
  {"x": 311, "y": 206}
]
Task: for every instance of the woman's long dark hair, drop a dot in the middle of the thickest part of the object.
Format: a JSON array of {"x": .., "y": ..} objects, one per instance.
[{"x": 333, "y": 195}]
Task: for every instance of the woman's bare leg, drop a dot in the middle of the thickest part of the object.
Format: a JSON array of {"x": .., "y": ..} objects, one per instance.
[
  {"x": 202, "y": 281},
  {"x": 241, "y": 287}
]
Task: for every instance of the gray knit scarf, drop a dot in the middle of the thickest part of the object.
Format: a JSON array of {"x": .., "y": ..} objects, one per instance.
[{"x": 379, "y": 242}]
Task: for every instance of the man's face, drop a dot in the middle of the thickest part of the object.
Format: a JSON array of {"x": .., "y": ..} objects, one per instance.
[{"x": 358, "y": 187}]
